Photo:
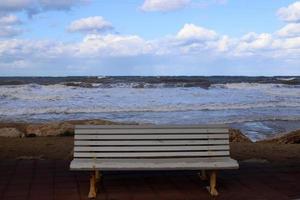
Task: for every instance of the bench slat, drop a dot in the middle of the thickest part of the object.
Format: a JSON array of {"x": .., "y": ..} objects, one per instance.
[
  {"x": 147, "y": 137},
  {"x": 151, "y": 148},
  {"x": 148, "y": 154},
  {"x": 155, "y": 164},
  {"x": 149, "y": 142},
  {"x": 149, "y": 131},
  {"x": 145, "y": 126}
]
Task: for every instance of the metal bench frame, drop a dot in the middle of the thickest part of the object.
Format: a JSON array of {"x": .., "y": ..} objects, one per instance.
[{"x": 151, "y": 147}]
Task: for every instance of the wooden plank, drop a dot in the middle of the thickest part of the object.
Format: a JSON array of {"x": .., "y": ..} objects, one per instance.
[
  {"x": 149, "y": 142},
  {"x": 149, "y": 131},
  {"x": 155, "y": 164},
  {"x": 147, "y": 137},
  {"x": 142, "y": 126},
  {"x": 148, "y": 154},
  {"x": 151, "y": 148}
]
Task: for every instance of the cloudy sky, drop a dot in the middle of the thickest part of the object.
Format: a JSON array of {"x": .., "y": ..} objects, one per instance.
[{"x": 149, "y": 37}]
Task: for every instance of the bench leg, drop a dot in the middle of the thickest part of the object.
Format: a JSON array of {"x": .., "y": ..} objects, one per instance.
[
  {"x": 202, "y": 175},
  {"x": 213, "y": 182},
  {"x": 93, "y": 187}
]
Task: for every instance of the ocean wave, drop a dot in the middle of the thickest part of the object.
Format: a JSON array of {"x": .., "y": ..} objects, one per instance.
[
  {"x": 136, "y": 85},
  {"x": 101, "y": 82},
  {"x": 31, "y": 110},
  {"x": 242, "y": 86},
  {"x": 33, "y": 92},
  {"x": 253, "y": 86},
  {"x": 193, "y": 81},
  {"x": 258, "y": 119},
  {"x": 167, "y": 118},
  {"x": 286, "y": 79}
]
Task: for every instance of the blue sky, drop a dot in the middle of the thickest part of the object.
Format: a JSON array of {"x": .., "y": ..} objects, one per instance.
[{"x": 149, "y": 37}]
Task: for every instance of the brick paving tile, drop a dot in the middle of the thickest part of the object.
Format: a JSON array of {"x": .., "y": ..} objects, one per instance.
[
  {"x": 65, "y": 185},
  {"x": 2, "y": 187},
  {"x": 66, "y": 191},
  {"x": 4, "y": 181},
  {"x": 265, "y": 190},
  {"x": 42, "y": 182},
  {"x": 290, "y": 187},
  {"x": 232, "y": 187},
  {"x": 19, "y": 193},
  {"x": 190, "y": 188},
  {"x": 140, "y": 189},
  {"x": 67, "y": 197},
  {"x": 163, "y": 188},
  {"x": 116, "y": 190},
  {"x": 41, "y": 189},
  {"x": 41, "y": 198},
  {"x": 21, "y": 182},
  {"x": 44, "y": 192},
  {"x": 13, "y": 198}
]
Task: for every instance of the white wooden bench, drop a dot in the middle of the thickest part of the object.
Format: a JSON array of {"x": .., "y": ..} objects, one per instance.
[{"x": 151, "y": 147}]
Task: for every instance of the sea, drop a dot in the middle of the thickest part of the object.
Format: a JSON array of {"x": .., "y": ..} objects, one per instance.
[{"x": 261, "y": 107}]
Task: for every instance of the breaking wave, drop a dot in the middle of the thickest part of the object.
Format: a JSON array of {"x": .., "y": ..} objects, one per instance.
[{"x": 44, "y": 109}]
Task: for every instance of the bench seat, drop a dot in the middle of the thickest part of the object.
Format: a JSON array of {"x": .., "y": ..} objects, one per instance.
[{"x": 155, "y": 164}]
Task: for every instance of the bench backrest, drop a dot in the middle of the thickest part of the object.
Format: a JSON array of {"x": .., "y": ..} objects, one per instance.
[{"x": 150, "y": 141}]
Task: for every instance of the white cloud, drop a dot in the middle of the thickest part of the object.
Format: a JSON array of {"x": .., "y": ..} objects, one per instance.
[
  {"x": 16, "y": 49},
  {"x": 224, "y": 44},
  {"x": 253, "y": 44},
  {"x": 9, "y": 20},
  {"x": 289, "y": 30},
  {"x": 113, "y": 45},
  {"x": 290, "y": 13},
  {"x": 36, "y": 6},
  {"x": 90, "y": 25},
  {"x": 60, "y": 4},
  {"x": 289, "y": 43},
  {"x": 171, "y": 5},
  {"x": 163, "y": 5},
  {"x": 92, "y": 46},
  {"x": 15, "y": 5},
  {"x": 193, "y": 32},
  {"x": 8, "y": 26},
  {"x": 9, "y": 31}
]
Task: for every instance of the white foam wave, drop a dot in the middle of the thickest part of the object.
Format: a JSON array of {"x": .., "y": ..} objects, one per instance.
[
  {"x": 268, "y": 89},
  {"x": 34, "y": 92},
  {"x": 286, "y": 79},
  {"x": 155, "y": 108},
  {"x": 243, "y": 86},
  {"x": 255, "y": 119}
]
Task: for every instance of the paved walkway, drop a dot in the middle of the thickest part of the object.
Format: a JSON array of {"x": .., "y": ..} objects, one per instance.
[{"x": 52, "y": 180}]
